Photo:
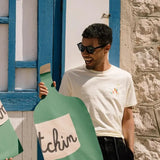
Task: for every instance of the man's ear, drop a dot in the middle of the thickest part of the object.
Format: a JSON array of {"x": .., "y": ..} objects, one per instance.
[{"x": 107, "y": 47}]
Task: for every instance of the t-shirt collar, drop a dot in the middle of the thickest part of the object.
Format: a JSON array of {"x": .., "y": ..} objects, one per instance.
[{"x": 98, "y": 72}]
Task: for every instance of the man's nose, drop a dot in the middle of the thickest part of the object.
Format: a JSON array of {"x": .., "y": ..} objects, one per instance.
[{"x": 85, "y": 52}]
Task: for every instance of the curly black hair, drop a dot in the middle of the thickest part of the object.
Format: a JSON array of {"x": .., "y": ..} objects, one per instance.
[{"x": 100, "y": 31}]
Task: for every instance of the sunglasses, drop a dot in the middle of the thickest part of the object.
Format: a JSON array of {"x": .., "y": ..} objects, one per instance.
[{"x": 89, "y": 49}]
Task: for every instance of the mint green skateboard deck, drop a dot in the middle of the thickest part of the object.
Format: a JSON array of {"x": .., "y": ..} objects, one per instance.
[
  {"x": 64, "y": 127},
  {"x": 9, "y": 142}
]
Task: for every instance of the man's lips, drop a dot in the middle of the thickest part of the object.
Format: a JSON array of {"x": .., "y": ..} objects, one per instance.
[{"x": 88, "y": 60}]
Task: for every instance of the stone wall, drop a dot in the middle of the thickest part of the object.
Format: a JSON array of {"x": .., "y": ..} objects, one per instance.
[{"x": 140, "y": 55}]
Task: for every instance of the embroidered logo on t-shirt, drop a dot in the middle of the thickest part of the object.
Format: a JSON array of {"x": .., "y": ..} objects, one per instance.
[{"x": 114, "y": 91}]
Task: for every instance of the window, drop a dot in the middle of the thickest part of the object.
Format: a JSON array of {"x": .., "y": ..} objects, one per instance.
[
  {"x": 13, "y": 94},
  {"x": 30, "y": 44}
]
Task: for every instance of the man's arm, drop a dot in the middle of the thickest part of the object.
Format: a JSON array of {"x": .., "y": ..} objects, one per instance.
[{"x": 128, "y": 127}]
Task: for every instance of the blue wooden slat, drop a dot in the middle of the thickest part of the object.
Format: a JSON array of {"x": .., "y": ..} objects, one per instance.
[
  {"x": 17, "y": 94},
  {"x": 114, "y": 23},
  {"x": 63, "y": 38},
  {"x": 4, "y": 20},
  {"x": 20, "y": 101},
  {"x": 57, "y": 41},
  {"x": 26, "y": 64},
  {"x": 45, "y": 40},
  {"x": 25, "y": 90},
  {"x": 11, "y": 45},
  {"x": 45, "y": 32}
]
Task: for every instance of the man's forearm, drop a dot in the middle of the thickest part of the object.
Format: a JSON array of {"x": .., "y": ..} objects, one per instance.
[{"x": 128, "y": 128}]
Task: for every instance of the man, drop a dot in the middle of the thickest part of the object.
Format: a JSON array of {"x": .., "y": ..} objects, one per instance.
[{"x": 107, "y": 92}]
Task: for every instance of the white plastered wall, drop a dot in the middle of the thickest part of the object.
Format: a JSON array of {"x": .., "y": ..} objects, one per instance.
[{"x": 79, "y": 15}]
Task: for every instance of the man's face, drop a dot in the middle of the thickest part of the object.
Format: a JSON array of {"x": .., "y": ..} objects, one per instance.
[{"x": 98, "y": 59}]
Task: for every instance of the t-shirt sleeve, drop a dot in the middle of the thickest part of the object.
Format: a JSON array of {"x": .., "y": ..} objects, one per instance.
[
  {"x": 65, "y": 87},
  {"x": 131, "y": 96}
]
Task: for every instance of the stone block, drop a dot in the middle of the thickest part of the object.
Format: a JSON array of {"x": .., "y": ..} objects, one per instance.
[
  {"x": 145, "y": 7},
  {"x": 157, "y": 112},
  {"x": 147, "y": 148},
  {"x": 147, "y": 86},
  {"x": 147, "y": 31},
  {"x": 146, "y": 59},
  {"x": 145, "y": 122}
]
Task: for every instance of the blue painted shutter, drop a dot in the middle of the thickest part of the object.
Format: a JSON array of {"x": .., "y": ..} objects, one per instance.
[
  {"x": 51, "y": 39},
  {"x": 51, "y": 36}
]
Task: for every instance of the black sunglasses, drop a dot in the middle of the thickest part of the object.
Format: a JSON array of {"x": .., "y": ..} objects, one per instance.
[{"x": 89, "y": 49}]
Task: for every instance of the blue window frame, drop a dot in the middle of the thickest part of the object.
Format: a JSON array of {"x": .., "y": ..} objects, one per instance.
[
  {"x": 12, "y": 99},
  {"x": 49, "y": 48}
]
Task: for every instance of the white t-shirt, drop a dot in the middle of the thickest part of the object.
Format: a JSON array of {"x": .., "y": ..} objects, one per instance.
[{"x": 105, "y": 94}]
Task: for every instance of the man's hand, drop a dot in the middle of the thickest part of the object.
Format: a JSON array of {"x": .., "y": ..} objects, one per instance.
[
  {"x": 9, "y": 159},
  {"x": 43, "y": 90}
]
